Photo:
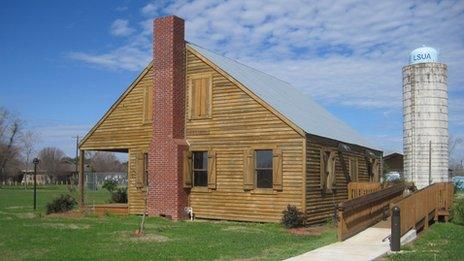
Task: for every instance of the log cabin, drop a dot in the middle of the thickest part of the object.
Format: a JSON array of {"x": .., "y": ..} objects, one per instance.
[{"x": 228, "y": 141}]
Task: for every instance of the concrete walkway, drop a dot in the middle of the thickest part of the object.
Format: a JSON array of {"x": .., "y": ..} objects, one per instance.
[{"x": 367, "y": 245}]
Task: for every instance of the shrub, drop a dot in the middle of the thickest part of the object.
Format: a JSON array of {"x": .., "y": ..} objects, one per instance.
[
  {"x": 458, "y": 186},
  {"x": 292, "y": 217},
  {"x": 458, "y": 211},
  {"x": 61, "y": 204},
  {"x": 110, "y": 185},
  {"x": 119, "y": 195}
]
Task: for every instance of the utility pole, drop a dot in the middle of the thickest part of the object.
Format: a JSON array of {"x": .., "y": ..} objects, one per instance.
[
  {"x": 430, "y": 162},
  {"x": 77, "y": 154}
]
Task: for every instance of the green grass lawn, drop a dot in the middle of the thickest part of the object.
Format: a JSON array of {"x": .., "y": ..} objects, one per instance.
[
  {"x": 25, "y": 234},
  {"x": 442, "y": 241}
]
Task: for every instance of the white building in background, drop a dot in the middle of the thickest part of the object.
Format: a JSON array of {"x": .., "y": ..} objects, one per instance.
[{"x": 425, "y": 118}]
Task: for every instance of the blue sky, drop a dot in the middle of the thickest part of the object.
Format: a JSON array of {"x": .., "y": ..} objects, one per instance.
[{"x": 63, "y": 63}]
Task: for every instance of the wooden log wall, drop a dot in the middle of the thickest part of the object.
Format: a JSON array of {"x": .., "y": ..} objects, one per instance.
[
  {"x": 237, "y": 123},
  {"x": 320, "y": 208},
  {"x": 123, "y": 129}
]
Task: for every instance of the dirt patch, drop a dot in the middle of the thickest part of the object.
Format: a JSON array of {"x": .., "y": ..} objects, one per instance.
[
  {"x": 17, "y": 207},
  {"x": 147, "y": 237},
  {"x": 308, "y": 231},
  {"x": 69, "y": 214},
  {"x": 27, "y": 215},
  {"x": 63, "y": 226},
  {"x": 242, "y": 229}
]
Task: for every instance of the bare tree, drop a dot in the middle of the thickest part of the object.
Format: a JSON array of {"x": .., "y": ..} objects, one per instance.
[
  {"x": 10, "y": 130},
  {"x": 51, "y": 161},
  {"x": 29, "y": 140},
  {"x": 102, "y": 161},
  {"x": 453, "y": 144}
]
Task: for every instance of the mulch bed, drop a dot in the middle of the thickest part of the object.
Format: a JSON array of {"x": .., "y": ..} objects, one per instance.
[{"x": 308, "y": 231}]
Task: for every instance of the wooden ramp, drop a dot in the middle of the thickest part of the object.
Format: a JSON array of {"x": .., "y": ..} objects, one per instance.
[
  {"x": 417, "y": 209},
  {"x": 357, "y": 214}
]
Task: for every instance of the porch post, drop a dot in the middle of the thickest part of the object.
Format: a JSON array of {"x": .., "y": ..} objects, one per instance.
[{"x": 81, "y": 179}]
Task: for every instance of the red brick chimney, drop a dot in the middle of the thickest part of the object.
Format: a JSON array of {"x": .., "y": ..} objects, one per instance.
[{"x": 166, "y": 195}]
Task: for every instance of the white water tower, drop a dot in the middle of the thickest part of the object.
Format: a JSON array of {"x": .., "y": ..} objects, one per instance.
[{"x": 425, "y": 118}]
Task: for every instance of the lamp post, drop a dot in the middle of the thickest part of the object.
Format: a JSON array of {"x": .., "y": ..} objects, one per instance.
[{"x": 36, "y": 162}]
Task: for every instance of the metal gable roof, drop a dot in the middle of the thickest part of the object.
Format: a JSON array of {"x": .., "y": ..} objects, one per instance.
[{"x": 291, "y": 102}]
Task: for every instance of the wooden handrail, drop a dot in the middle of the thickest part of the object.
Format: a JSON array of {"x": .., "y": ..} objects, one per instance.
[
  {"x": 357, "y": 189},
  {"x": 417, "y": 209},
  {"x": 380, "y": 195},
  {"x": 355, "y": 215}
]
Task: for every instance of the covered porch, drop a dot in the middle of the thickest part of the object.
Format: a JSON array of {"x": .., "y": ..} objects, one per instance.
[{"x": 93, "y": 198}]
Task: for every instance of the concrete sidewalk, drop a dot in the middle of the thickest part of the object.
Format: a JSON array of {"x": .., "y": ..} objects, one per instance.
[{"x": 366, "y": 245}]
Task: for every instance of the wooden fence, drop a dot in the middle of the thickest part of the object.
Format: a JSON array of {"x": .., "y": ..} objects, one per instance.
[
  {"x": 357, "y": 189},
  {"x": 419, "y": 208},
  {"x": 357, "y": 214}
]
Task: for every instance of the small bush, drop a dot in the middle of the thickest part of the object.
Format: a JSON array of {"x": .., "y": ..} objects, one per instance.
[
  {"x": 458, "y": 186},
  {"x": 61, "y": 204},
  {"x": 292, "y": 217},
  {"x": 119, "y": 195},
  {"x": 458, "y": 211},
  {"x": 110, "y": 185}
]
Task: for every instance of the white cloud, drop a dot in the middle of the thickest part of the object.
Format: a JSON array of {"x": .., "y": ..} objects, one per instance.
[
  {"x": 120, "y": 27},
  {"x": 344, "y": 53},
  {"x": 341, "y": 52},
  {"x": 61, "y": 136},
  {"x": 131, "y": 57},
  {"x": 149, "y": 9},
  {"x": 121, "y": 8}
]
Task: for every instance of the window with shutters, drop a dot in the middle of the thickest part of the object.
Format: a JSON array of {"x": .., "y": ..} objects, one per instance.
[
  {"x": 141, "y": 170},
  {"x": 353, "y": 165},
  {"x": 148, "y": 104},
  {"x": 200, "y": 96},
  {"x": 327, "y": 167},
  {"x": 263, "y": 168},
  {"x": 200, "y": 168}
]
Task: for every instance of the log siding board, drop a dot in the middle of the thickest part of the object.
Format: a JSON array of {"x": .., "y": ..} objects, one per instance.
[
  {"x": 319, "y": 207},
  {"x": 239, "y": 123}
]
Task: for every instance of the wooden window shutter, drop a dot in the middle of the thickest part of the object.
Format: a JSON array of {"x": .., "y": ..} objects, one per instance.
[
  {"x": 148, "y": 104},
  {"x": 208, "y": 96},
  {"x": 323, "y": 169},
  {"x": 354, "y": 169},
  {"x": 331, "y": 178},
  {"x": 187, "y": 177},
  {"x": 212, "y": 169},
  {"x": 139, "y": 169},
  {"x": 277, "y": 169},
  {"x": 200, "y": 97},
  {"x": 248, "y": 170},
  {"x": 375, "y": 170}
]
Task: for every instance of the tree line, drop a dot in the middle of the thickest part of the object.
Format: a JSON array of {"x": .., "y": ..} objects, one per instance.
[{"x": 18, "y": 147}]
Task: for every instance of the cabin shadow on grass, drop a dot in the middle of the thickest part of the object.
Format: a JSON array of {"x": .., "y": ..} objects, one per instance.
[{"x": 32, "y": 235}]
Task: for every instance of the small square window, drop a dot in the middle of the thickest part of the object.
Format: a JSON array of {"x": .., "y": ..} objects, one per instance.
[
  {"x": 263, "y": 168},
  {"x": 200, "y": 168}
]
